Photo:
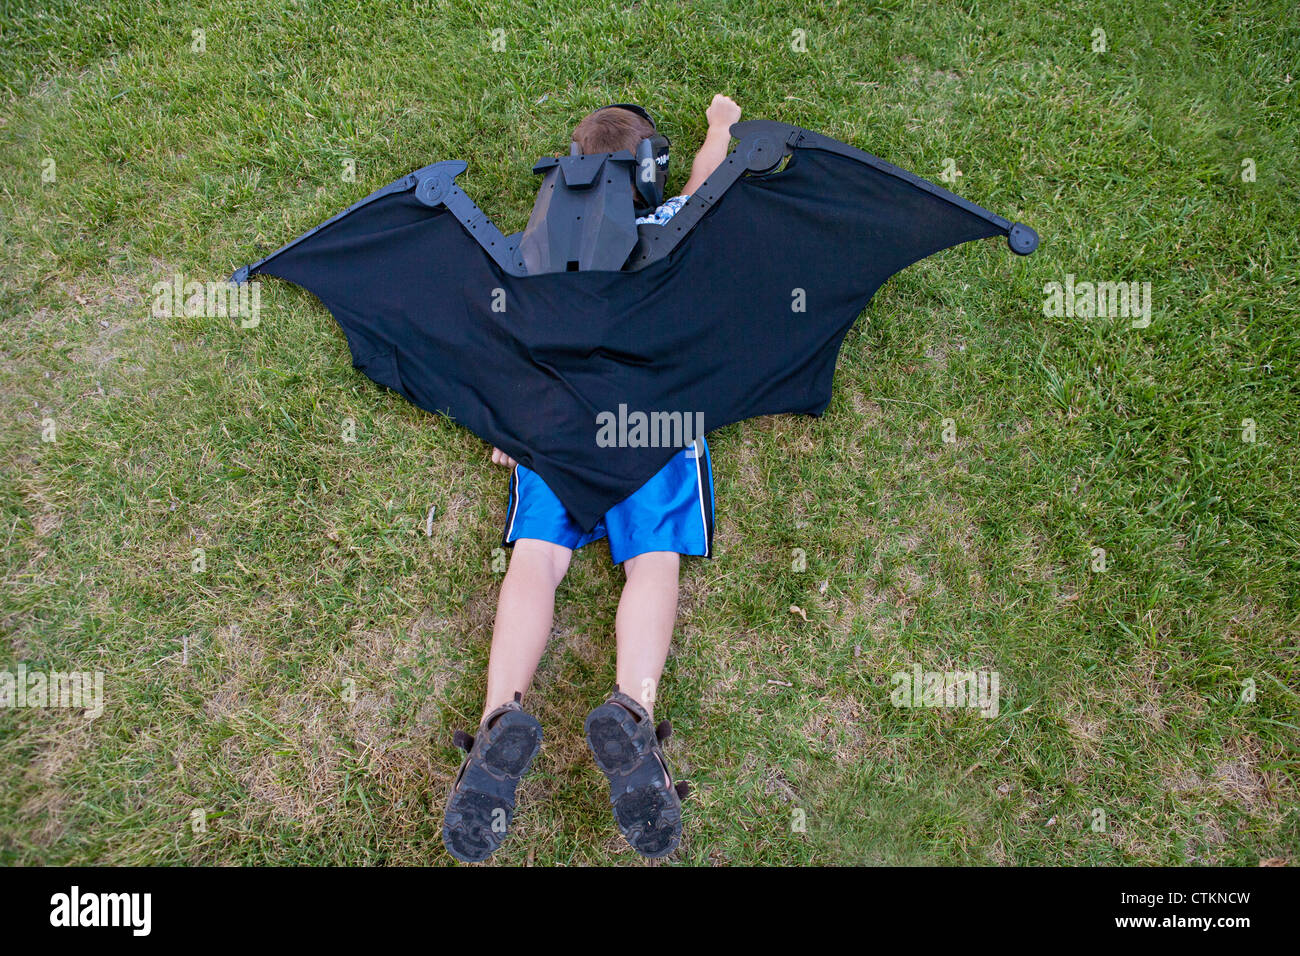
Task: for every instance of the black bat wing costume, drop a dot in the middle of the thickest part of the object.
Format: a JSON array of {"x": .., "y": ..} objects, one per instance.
[{"x": 735, "y": 308}]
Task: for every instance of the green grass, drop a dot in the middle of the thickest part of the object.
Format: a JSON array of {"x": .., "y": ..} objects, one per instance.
[{"x": 1121, "y": 690}]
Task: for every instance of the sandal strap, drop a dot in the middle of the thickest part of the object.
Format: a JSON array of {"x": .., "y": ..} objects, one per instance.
[
  {"x": 681, "y": 787},
  {"x": 631, "y": 703},
  {"x": 661, "y": 732},
  {"x": 465, "y": 741},
  {"x": 491, "y": 718}
]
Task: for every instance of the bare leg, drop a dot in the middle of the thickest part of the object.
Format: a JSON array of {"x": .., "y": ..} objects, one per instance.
[
  {"x": 644, "y": 624},
  {"x": 525, "y": 611}
]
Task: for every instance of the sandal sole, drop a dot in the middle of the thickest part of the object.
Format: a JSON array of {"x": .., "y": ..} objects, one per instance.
[
  {"x": 648, "y": 813},
  {"x": 479, "y": 814}
]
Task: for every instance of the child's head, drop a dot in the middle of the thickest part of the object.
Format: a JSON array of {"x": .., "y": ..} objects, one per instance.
[{"x": 610, "y": 129}]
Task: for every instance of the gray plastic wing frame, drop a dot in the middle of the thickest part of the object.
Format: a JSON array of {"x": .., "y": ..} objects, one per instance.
[
  {"x": 762, "y": 146},
  {"x": 434, "y": 185}
]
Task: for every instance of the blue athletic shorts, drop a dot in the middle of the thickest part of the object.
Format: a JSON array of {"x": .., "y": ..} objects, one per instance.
[{"x": 673, "y": 511}]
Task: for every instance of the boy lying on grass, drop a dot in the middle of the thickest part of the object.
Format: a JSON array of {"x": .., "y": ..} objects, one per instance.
[{"x": 669, "y": 516}]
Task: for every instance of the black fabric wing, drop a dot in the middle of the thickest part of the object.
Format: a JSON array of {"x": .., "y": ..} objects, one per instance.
[{"x": 744, "y": 318}]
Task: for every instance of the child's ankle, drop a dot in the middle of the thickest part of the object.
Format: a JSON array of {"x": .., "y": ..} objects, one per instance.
[
  {"x": 493, "y": 705},
  {"x": 646, "y": 701}
]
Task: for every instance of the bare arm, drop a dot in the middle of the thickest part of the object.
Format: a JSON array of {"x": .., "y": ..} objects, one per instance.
[{"x": 722, "y": 112}]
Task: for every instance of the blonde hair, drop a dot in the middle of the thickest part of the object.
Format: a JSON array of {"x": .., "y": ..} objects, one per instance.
[{"x": 610, "y": 129}]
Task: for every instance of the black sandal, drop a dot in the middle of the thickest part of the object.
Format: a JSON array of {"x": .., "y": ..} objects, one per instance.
[
  {"x": 482, "y": 800},
  {"x": 647, "y": 809}
]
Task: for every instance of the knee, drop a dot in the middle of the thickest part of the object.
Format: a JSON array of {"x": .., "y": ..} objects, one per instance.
[
  {"x": 552, "y": 560},
  {"x": 659, "y": 565}
]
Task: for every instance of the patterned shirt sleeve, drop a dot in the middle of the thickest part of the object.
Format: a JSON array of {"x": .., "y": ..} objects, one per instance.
[{"x": 665, "y": 212}]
